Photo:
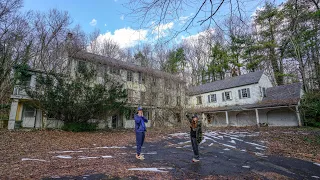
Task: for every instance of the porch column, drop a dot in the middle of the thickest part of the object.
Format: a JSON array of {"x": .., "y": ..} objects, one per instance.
[
  {"x": 227, "y": 118},
  {"x": 204, "y": 122},
  {"x": 257, "y": 117},
  {"x": 13, "y": 114},
  {"x": 298, "y": 116}
]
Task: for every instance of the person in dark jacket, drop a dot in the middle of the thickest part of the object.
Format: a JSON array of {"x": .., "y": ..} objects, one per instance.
[
  {"x": 196, "y": 135},
  {"x": 140, "y": 129}
]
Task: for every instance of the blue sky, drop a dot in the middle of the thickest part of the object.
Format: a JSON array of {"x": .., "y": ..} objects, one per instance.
[{"x": 108, "y": 17}]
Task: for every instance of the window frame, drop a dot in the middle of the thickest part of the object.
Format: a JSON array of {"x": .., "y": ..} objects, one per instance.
[
  {"x": 212, "y": 98},
  {"x": 130, "y": 76},
  {"x": 199, "y": 100}
]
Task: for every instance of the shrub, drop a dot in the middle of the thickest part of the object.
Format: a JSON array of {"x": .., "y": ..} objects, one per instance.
[
  {"x": 79, "y": 126},
  {"x": 310, "y": 108}
]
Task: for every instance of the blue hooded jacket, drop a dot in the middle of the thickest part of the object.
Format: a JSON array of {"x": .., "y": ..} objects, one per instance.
[{"x": 140, "y": 123}]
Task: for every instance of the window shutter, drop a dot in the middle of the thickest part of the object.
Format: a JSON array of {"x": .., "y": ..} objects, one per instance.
[
  {"x": 208, "y": 98},
  {"x": 248, "y": 92},
  {"x": 223, "y": 99},
  {"x": 239, "y": 91}
]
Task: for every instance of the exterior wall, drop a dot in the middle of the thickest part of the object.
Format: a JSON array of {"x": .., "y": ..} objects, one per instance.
[{"x": 255, "y": 95}]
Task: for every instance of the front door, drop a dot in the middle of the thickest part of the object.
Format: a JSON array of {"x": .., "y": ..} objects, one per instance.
[
  {"x": 29, "y": 117},
  {"x": 114, "y": 121}
]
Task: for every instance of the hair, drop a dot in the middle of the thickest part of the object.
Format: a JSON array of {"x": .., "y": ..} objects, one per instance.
[{"x": 194, "y": 123}]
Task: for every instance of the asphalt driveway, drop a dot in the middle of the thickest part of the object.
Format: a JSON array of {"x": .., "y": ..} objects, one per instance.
[{"x": 231, "y": 154}]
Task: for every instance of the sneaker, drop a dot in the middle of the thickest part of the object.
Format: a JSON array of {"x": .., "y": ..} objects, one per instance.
[
  {"x": 139, "y": 157},
  {"x": 195, "y": 160}
]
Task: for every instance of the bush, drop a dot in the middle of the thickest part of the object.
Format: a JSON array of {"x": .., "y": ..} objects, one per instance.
[
  {"x": 79, "y": 126},
  {"x": 310, "y": 108}
]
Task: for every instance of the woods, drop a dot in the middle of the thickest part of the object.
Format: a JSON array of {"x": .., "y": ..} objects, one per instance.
[{"x": 282, "y": 40}]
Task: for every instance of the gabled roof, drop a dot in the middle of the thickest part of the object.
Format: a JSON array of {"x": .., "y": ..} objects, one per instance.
[
  {"x": 246, "y": 79},
  {"x": 285, "y": 95},
  {"x": 111, "y": 62}
]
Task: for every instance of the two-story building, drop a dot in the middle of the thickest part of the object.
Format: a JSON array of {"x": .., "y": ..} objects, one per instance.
[
  {"x": 161, "y": 94},
  {"x": 246, "y": 100}
]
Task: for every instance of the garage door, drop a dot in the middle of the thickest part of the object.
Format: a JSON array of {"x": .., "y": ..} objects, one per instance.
[
  {"x": 246, "y": 118},
  {"x": 282, "y": 117}
]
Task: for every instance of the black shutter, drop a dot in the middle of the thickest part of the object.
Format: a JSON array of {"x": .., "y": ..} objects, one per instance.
[
  {"x": 208, "y": 98},
  {"x": 248, "y": 92},
  {"x": 239, "y": 91},
  {"x": 223, "y": 99}
]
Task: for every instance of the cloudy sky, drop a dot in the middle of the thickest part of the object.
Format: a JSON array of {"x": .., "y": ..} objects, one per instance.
[{"x": 109, "y": 16}]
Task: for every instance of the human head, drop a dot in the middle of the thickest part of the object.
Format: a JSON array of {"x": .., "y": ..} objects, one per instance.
[
  {"x": 195, "y": 117},
  {"x": 140, "y": 109}
]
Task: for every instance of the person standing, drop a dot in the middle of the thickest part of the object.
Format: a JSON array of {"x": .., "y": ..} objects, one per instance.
[
  {"x": 196, "y": 136},
  {"x": 140, "y": 129}
]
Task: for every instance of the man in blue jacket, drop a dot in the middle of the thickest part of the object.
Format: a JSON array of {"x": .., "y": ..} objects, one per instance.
[{"x": 140, "y": 128}]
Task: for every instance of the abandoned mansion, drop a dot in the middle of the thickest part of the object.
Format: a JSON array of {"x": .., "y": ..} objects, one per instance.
[{"x": 244, "y": 100}]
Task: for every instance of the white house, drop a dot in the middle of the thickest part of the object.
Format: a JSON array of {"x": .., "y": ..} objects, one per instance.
[{"x": 246, "y": 100}]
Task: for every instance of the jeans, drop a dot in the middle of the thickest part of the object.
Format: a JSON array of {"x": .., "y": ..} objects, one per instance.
[
  {"x": 195, "y": 147},
  {"x": 139, "y": 140}
]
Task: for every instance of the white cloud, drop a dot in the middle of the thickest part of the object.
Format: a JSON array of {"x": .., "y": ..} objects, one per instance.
[
  {"x": 93, "y": 22},
  {"x": 105, "y": 24},
  {"x": 161, "y": 29},
  {"x": 122, "y": 17},
  {"x": 200, "y": 35},
  {"x": 125, "y": 37}
]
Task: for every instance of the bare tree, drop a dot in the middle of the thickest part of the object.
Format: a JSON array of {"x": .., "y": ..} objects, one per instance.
[
  {"x": 155, "y": 13},
  {"x": 14, "y": 42}
]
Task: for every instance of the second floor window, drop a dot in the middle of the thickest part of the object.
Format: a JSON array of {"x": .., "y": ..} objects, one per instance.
[
  {"x": 129, "y": 76},
  {"x": 114, "y": 70},
  {"x": 166, "y": 100},
  {"x": 142, "y": 96},
  {"x": 244, "y": 93},
  {"x": 263, "y": 92},
  {"x": 178, "y": 100},
  {"x": 130, "y": 95},
  {"x": 141, "y": 78},
  {"x": 226, "y": 96},
  {"x": 154, "y": 81},
  {"x": 199, "y": 100},
  {"x": 212, "y": 98}
]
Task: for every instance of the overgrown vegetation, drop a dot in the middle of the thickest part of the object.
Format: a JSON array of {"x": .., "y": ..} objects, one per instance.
[
  {"x": 77, "y": 99},
  {"x": 310, "y": 108}
]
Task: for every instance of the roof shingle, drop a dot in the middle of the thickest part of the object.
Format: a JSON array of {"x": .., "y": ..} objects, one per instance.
[{"x": 246, "y": 79}]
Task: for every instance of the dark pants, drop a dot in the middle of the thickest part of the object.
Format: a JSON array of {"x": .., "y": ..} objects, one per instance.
[
  {"x": 139, "y": 140},
  {"x": 195, "y": 147}
]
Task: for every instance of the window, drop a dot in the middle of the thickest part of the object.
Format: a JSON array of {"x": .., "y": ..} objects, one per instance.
[
  {"x": 226, "y": 96},
  {"x": 114, "y": 70},
  {"x": 141, "y": 78},
  {"x": 101, "y": 70},
  {"x": 244, "y": 93},
  {"x": 199, "y": 100},
  {"x": 264, "y": 92},
  {"x": 154, "y": 99},
  {"x": 154, "y": 81},
  {"x": 166, "y": 100},
  {"x": 129, "y": 76},
  {"x": 82, "y": 67},
  {"x": 212, "y": 98},
  {"x": 130, "y": 95},
  {"x": 178, "y": 100},
  {"x": 142, "y": 96}
]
